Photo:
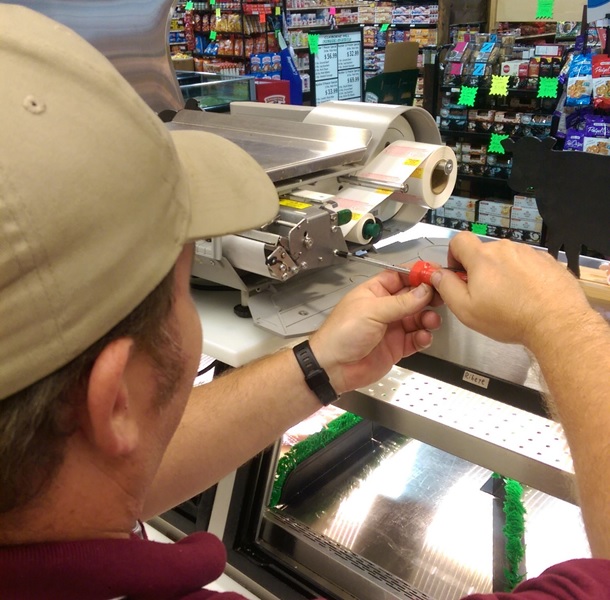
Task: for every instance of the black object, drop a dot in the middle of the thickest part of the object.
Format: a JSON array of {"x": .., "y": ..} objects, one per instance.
[
  {"x": 316, "y": 377},
  {"x": 572, "y": 192},
  {"x": 243, "y": 312}
]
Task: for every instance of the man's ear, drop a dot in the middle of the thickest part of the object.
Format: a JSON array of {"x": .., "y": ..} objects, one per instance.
[{"x": 111, "y": 423}]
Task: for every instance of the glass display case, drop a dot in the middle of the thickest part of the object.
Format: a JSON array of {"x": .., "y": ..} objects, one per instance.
[
  {"x": 404, "y": 502},
  {"x": 213, "y": 91}
]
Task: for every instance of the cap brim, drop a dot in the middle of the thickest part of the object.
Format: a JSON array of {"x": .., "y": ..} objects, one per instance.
[{"x": 229, "y": 191}]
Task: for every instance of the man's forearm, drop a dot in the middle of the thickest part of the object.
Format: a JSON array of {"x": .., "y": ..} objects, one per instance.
[{"x": 574, "y": 356}]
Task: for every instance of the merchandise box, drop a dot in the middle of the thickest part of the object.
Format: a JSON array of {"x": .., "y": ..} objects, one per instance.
[
  {"x": 524, "y": 213},
  {"x": 525, "y": 236},
  {"x": 491, "y": 207},
  {"x": 474, "y": 159},
  {"x": 525, "y": 201},
  {"x": 462, "y": 202},
  {"x": 396, "y": 85},
  {"x": 527, "y": 224},
  {"x": 497, "y": 231},
  {"x": 183, "y": 64},
  {"x": 458, "y": 224},
  {"x": 474, "y": 149},
  {"x": 272, "y": 91},
  {"x": 460, "y": 214},
  {"x": 497, "y": 220}
]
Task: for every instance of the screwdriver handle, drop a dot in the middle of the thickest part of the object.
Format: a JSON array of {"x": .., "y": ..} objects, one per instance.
[{"x": 422, "y": 271}]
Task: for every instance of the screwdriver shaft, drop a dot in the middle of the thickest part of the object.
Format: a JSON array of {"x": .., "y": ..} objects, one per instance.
[{"x": 372, "y": 261}]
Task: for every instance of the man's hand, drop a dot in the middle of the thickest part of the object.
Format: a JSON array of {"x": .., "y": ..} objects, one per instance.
[
  {"x": 372, "y": 328},
  {"x": 514, "y": 294}
]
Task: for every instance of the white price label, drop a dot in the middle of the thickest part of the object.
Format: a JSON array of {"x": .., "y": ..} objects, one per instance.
[
  {"x": 476, "y": 379},
  {"x": 350, "y": 85},
  {"x": 349, "y": 56}
]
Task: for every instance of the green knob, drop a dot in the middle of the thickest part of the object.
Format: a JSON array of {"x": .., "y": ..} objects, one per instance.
[
  {"x": 344, "y": 216},
  {"x": 371, "y": 229}
]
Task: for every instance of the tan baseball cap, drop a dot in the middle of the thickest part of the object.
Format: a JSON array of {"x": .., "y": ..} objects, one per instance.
[{"x": 97, "y": 198}]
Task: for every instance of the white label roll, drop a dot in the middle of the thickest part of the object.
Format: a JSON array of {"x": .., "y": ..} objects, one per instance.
[{"x": 431, "y": 184}]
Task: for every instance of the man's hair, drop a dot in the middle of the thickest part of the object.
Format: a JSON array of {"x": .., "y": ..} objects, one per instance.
[{"x": 36, "y": 422}]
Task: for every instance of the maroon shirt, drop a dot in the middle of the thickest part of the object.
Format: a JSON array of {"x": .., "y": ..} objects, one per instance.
[{"x": 143, "y": 570}]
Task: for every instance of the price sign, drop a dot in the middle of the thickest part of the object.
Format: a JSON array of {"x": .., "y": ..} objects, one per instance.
[
  {"x": 350, "y": 84},
  {"x": 329, "y": 53},
  {"x": 337, "y": 66},
  {"x": 349, "y": 56},
  {"x": 326, "y": 62},
  {"x": 327, "y": 90}
]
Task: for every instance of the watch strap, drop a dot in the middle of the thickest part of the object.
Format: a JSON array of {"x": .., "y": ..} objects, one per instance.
[{"x": 316, "y": 377}]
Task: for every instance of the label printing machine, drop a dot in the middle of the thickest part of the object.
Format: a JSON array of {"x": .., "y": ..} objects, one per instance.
[{"x": 402, "y": 505}]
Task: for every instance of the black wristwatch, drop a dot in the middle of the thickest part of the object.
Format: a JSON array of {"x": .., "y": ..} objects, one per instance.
[{"x": 316, "y": 377}]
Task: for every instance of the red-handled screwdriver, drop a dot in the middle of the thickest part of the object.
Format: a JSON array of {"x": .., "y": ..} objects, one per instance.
[{"x": 420, "y": 272}]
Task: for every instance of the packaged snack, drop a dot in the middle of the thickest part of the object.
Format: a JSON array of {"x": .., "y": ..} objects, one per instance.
[
  {"x": 459, "y": 52},
  {"x": 601, "y": 81},
  {"x": 579, "y": 81},
  {"x": 597, "y": 126},
  {"x": 597, "y": 146},
  {"x": 574, "y": 140}
]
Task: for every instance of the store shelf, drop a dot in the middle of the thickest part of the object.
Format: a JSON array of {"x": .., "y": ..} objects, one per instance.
[
  {"x": 482, "y": 177},
  {"x": 473, "y": 134},
  {"x": 396, "y": 25},
  {"x": 508, "y": 440},
  {"x": 485, "y": 90},
  {"x": 319, "y": 26},
  {"x": 226, "y": 56},
  {"x": 536, "y": 37},
  {"x": 314, "y": 8}
]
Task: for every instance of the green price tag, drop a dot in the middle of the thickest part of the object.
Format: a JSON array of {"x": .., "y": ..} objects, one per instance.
[
  {"x": 189, "y": 6},
  {"x": 212, "y": 35},
  {"x": 495, "y": 143},
  {"x": 467, "y": 95},
  {"x": 218, "y": 13},
  {"x": 312, "y": 40},
  {"x": 544, "y": 9},
  {"x": 479, "y": 228},
  {"x": 499, "y": 85},
  {"x": 549, "y": 87},
  {"x": 278, "y": 10},
  {"x": 212, "y": 2},
  {"x": 384, "y": 27}
]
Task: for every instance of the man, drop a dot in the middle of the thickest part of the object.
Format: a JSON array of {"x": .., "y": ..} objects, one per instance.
[{"x": 100, "y": 341}]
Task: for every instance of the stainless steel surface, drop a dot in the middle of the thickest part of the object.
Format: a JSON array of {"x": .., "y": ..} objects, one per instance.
[
  {"x": 132, "y": 35},
  {"x": 421, "y": 515},
  {"x": 496, "y": 436},
  {"x": 331, "y": 565},
  {"x": 285, "y": 149}
]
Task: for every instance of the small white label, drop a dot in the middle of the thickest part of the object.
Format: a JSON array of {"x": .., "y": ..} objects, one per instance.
[{"x": 476, "y": 379}]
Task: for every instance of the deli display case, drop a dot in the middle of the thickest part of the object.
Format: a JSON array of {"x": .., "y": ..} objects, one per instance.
[{"x": 213, "y": 91}]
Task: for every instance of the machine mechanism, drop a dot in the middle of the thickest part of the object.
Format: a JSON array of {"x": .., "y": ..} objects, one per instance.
[{"x": 348, "y": 175}]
